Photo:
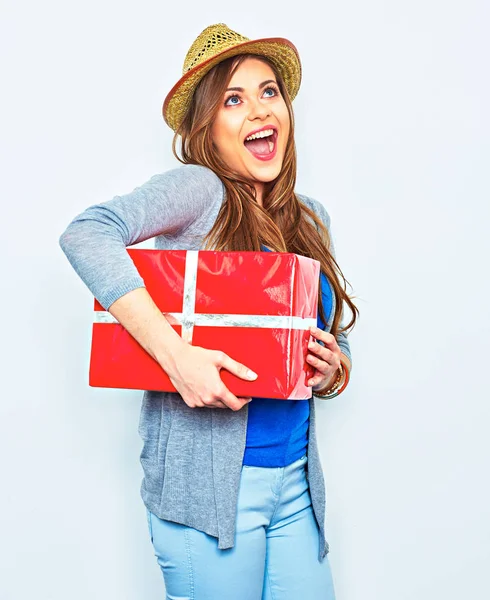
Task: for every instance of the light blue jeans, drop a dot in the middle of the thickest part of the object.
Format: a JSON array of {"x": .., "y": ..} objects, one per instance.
[{"x": 275, "y": 556}]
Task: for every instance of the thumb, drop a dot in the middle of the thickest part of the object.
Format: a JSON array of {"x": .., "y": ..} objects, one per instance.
[{"x": 237, "y": 368}]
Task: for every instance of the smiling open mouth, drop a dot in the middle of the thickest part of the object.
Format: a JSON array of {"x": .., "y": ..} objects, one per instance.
[{"x": 263, "y": 144}]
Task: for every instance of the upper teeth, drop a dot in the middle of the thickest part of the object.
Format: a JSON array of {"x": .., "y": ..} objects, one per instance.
[{"x": 260, "y": 134}]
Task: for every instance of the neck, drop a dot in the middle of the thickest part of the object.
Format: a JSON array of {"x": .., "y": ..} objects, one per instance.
[{"x": 259, "y": 192}]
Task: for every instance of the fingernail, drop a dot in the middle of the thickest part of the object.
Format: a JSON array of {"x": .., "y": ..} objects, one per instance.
[{"x": 251, "y": 374}]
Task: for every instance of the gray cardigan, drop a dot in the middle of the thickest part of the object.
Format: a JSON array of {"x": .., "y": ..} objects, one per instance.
[{"x": 191, "y": 457}]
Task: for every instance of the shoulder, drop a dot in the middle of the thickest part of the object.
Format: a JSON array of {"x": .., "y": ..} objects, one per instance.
[
  {"x": 190, "y": 176},
  {"x": 316, "y": 206}
]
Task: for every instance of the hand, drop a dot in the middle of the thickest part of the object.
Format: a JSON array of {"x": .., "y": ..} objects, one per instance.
[
  {"x": 195, "y": 375},
  {"x": 325, "y": 359}
]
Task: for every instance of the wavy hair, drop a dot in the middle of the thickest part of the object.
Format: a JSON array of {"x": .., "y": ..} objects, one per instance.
[{"x": 243, "y": 224}]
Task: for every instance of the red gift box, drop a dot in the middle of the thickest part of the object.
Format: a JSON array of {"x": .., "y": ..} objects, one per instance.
[{"x": 257, "y": 307}]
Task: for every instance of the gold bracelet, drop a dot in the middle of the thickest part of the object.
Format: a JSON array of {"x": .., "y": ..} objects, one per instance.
[{"x": 334, "y": 386}]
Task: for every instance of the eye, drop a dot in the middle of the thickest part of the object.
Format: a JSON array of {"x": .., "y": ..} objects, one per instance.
[
  {"x": 270, "y": 87},
  {"x": 273, "y": 88},
  {"x": 229, "y": 98}
]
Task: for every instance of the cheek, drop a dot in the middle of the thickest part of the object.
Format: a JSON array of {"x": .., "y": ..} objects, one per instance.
[
  {"x": 285, "y": 122},
  {"x": 224, "y": 138}
]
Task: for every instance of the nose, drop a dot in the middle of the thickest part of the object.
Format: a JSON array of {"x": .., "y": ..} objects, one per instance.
[{"x": 259, "y": 109}]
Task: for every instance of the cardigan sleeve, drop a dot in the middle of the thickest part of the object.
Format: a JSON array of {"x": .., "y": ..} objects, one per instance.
[
  {"x": 95, "y": 241},
  {"x": 321, "y": 211}
]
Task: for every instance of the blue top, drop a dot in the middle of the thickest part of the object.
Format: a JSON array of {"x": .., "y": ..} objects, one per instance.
[{"x": 277, "y": 430}]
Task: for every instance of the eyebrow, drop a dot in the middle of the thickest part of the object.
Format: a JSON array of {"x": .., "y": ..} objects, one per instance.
[{"x": 261, "y": 85}]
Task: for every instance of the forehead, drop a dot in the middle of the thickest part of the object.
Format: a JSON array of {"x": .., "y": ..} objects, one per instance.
[{"x": 251, "y": 72}]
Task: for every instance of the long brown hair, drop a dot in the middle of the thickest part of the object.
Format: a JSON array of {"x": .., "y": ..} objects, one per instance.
[{"x": 242, "y": 224}]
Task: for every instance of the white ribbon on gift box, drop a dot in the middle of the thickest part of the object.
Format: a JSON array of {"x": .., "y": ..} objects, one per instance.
[{"x": 188, "y": 317}]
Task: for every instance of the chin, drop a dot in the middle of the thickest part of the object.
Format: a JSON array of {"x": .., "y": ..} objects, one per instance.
[
  {"x": 266, "y": 172},
  {"x": 267, "y": 175}
]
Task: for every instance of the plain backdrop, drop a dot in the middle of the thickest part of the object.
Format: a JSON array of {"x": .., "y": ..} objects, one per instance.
[{"x": 392, "y": 135}]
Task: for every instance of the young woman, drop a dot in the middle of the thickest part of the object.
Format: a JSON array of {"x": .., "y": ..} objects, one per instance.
[{"x": 234, "y": 490}]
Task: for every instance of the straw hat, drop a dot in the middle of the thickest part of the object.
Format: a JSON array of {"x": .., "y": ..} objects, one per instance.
[{"x": 214, "y": 44}]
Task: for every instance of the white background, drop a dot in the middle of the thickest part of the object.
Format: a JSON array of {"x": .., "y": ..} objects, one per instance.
[{"x": 393, "y": 137}]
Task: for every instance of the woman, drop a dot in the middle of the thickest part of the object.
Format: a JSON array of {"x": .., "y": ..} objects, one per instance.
[{"x": 234, "y": 491}]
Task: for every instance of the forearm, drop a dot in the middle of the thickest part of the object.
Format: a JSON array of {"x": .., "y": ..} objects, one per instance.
[{"x": 139, "y": 315}]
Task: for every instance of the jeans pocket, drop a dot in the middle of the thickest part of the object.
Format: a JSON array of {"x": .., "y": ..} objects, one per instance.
[{"x": 150, "y": 528}]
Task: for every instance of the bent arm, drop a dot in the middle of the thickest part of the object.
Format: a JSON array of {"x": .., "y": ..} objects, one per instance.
[
  {"x": 95, "y": 244},
  {"x": 95, "y": 241}
]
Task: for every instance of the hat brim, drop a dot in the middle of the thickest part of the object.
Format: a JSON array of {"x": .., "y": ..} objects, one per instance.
[{"x": 280, "y": 50}]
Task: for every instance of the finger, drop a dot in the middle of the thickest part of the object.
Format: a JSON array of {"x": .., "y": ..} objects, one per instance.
[
  {"x": 326, "y": 337},
  {"x": 330, "y": 365},
  {"x": 214, "y": 402},
  {"x": 324, "y": 353},
  {"x": 214, "y": 396},
  {"x": 316, "y": 379},
  {"x": 319, "y": 377},
  {"x": 231, "y": 400},
  {"x": 320, "y": 365},
  {"x": 219, "y": 404},
  {"x": 235, "y": 367}
]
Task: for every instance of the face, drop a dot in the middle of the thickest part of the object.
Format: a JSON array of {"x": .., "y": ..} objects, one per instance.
[{"x": 257, "y": 105}]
